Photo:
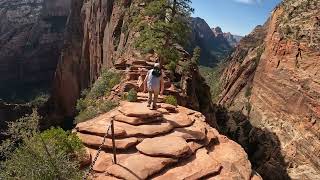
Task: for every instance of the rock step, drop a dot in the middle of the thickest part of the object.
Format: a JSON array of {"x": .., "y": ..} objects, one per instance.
[
  {"x": 142, "y": 62},
  {"x": 132, "y": 76},
  {"x": 138, "y": 110},
  {"x": 135, "y": 120},
  {"x": 96, "y": 141},
  {"x": 166, "y": 146},
  {"x": 138, "y": 69},
  {"x": 105, "y": 159},
  {"x": 127, "y": 130},
  {"x": 137, "y": 167},
  {"x": 178, "y": 119}
]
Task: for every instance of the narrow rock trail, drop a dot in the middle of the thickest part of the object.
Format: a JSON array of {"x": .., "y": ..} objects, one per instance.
[{"x": 167, "y": 143}]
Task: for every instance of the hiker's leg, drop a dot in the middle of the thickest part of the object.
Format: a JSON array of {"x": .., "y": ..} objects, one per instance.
[
  {"x": 155, "y": 99},
  {"x": 150, "y": 98}
]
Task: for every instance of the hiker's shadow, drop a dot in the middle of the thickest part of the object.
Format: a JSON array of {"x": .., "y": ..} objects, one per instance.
[{"x": 262, "y": 146}]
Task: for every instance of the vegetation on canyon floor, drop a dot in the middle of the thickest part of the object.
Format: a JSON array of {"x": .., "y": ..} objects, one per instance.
[
  {"x": 212, "y": 76},
  {"x": 31, "y": 154}
]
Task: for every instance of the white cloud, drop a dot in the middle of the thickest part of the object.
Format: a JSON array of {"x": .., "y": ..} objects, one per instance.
[{"x": 248, "y": 1}]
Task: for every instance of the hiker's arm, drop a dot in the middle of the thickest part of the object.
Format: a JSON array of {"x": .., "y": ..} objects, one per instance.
[
  {"x": 161, "y": 85},
  {"x": 145, "y": 83}
]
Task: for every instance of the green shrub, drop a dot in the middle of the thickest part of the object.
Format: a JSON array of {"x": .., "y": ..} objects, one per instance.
[
  {"x": 104, "y": 84},
  {"x": 248, "y": 92},
  {"x": 171, "y": 66},
  {"x": 39, "y": 100},
  {"x": 52, "y": 154},
  {"x": 92, "y": 104},
  {"x": 81, "y": 104},
  {"x": 171, "y": 100},
  {"x": 196, "y": 55},
  {"x": 248, "y": 107},
  {"x": 23, "y": 128},
  {"x": 132, "y": 96},
  {"x": 87, "y": 114},
  {"x": 106, "y": 106}
]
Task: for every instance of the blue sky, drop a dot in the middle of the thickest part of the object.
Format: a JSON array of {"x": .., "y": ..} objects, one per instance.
[{"x": 236, "y": 16}]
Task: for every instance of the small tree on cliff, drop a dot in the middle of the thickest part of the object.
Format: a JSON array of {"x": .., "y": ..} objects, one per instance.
[
  {"x": 196, "y": 55},
  {"x": 164, "y": 23}
]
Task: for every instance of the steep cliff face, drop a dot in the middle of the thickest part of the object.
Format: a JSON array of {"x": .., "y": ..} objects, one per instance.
[
  {"x": 272, "y": 81},
  {"x": 232, "y": 39},
  {"x": 214, "y": 46},
  {"x": 100, "y": 35},
  {"x": 91, "y": 30},
  {"x": 31, "y": 36}
]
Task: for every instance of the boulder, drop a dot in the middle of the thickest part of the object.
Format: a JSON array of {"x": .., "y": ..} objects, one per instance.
[
  {"x": 233, "y": 159},
  {"x": 166, "y": 146},
  {"x": 195, "y": 132},
  {"x": 169, "y": 107},
  {"x": 138, "y": 110},
  {"x": 198, "y": 166},
  {"x": 178, "y": 119}
]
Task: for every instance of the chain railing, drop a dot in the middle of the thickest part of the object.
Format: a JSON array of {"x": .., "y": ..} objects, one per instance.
[{"x": 110, "y": 125}]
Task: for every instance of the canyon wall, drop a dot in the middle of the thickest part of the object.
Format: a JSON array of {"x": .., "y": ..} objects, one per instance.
[
  {"x": 271, "y": 84},
  {"x": 31, "y": 37},
  {"x": 100, "y": 35}
]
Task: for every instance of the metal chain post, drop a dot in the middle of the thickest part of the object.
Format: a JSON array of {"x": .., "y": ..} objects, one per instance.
[{"x": 98, "y": 153}]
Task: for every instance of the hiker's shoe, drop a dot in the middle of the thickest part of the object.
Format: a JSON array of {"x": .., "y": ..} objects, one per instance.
[{"x": 154, "y": 107}]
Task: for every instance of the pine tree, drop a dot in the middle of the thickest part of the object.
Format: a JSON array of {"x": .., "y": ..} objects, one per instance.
[{"x": 164, "y": 24}]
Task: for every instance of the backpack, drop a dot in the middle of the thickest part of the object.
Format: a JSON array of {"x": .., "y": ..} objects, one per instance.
[{"x": 156, "y": 72}]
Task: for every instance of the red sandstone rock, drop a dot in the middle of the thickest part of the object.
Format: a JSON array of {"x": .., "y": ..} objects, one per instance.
[
  {"x": 96, "y": 141},
  {"x": 192, "y": 152},
  {"x": 138, "y": 167},
  {"x": 166, "y": 146},
  {"x": 268, "y": 81}
]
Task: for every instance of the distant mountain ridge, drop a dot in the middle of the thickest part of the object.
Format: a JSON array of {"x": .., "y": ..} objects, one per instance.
[
  {"x": 214, "y": 43},
  {"x": 232, "y": 39}
]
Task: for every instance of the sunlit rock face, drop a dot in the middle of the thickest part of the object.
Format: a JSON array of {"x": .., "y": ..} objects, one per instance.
[
  {"x": 31, "y": 38},
  {"x": 273, "y": 79}
]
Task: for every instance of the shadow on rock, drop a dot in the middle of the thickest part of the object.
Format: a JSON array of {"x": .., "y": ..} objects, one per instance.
[{"x": 261, "y": 145}]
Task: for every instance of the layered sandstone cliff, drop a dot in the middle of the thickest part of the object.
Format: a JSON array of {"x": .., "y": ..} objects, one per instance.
[
  {"x": 31, "y": 37},
  {"x": 272, "y": 86}
]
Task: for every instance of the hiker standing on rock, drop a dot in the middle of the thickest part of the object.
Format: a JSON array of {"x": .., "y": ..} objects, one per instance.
[{"x": 155, "y": 84}]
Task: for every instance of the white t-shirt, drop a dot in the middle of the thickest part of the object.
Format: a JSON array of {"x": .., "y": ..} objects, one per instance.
[{"x": 153, "y": 82}]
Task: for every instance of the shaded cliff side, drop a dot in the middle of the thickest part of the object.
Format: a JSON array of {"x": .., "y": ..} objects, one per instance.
[
  {"x": 272, "y": 81},
  {"x": 214, "y": 46},
  {"x": 31, "y": 37}
]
